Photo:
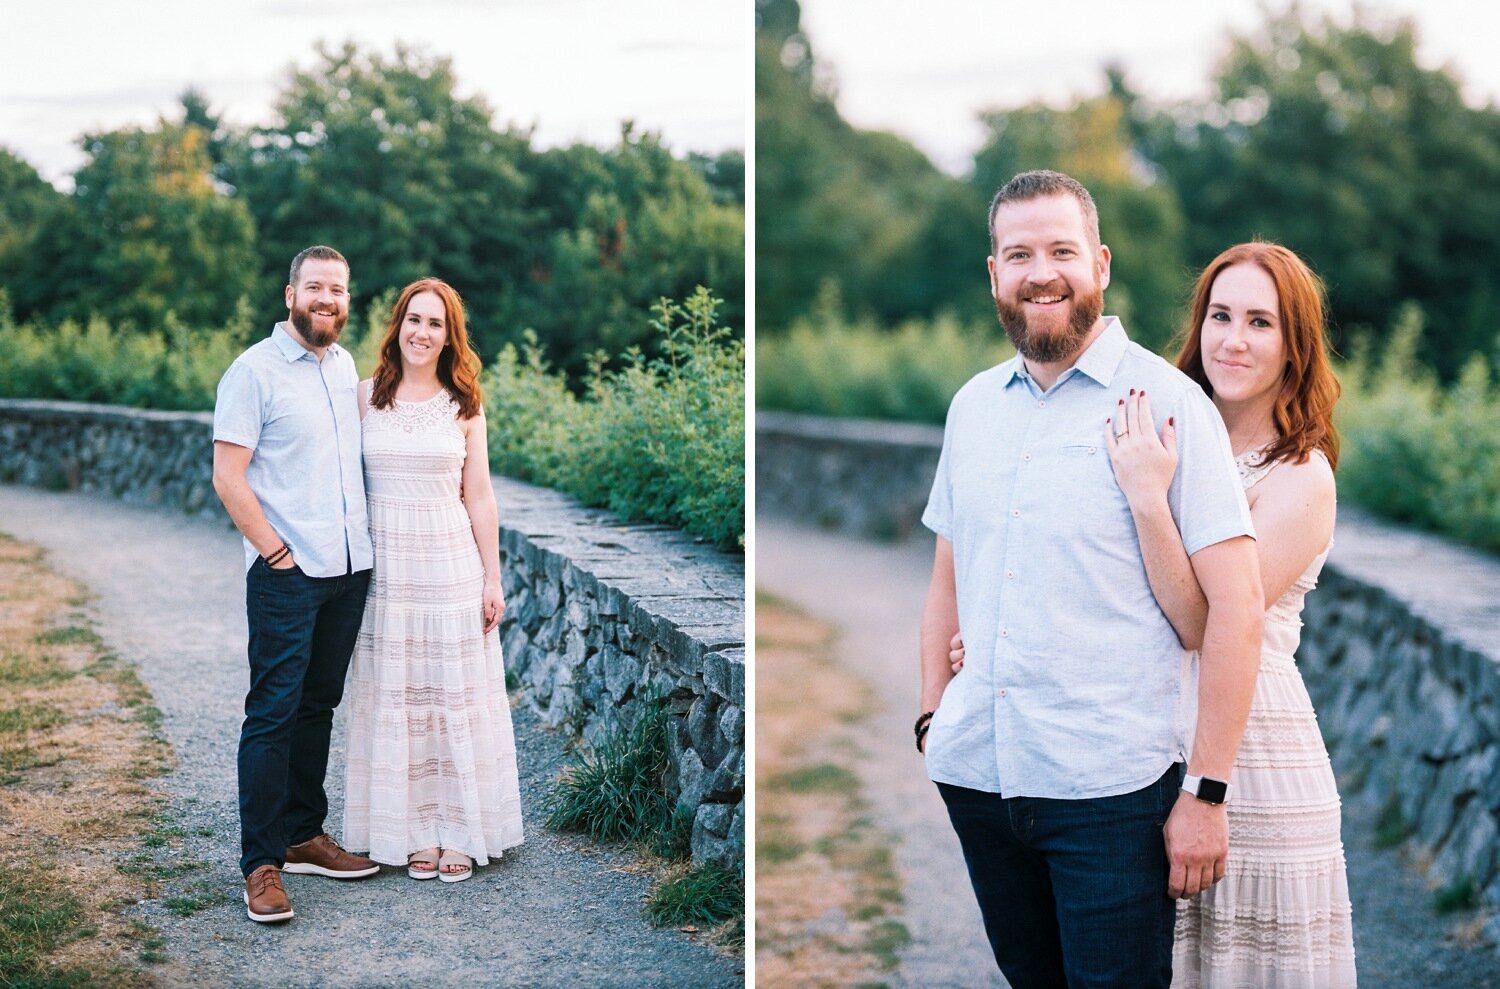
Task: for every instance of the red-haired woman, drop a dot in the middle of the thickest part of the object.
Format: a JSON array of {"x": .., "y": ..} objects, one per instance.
[
  {"x": 431, "y": 776},
  {"x": 1255, "y": 343}
]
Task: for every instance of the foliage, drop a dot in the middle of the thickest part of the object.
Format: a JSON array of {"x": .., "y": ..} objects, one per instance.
[
  {"x": 175, "y": 367},
  {"x": 659, "y": 439},
  {"x": 377, "y": 155},
  {"x": 707, "y": 895},
  {"x": 1333, "y": 140},
  {"x": 859, "y": 370},
  {"x": 1326, "y": 136},
  {"x": 1415, "y": 451},
  {"x": 617, "y": 788}
]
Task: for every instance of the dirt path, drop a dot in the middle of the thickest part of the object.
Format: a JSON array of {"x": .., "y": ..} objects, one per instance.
[
  {"x": 873, "y": 593},
  {"x": 556, "y": 912}
]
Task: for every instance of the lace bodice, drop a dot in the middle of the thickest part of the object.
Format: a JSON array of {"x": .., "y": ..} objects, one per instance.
[{"x": 414, "y": 451}]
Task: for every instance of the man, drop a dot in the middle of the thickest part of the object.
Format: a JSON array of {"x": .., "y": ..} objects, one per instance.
[
  {"x": 1059, "y": 747},
  {"x": 287, "y": 467}
]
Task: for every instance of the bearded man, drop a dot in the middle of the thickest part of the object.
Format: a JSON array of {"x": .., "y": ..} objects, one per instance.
[
  {"x": 1060, "y": 746},
  {"x": 287, "y": 467}
]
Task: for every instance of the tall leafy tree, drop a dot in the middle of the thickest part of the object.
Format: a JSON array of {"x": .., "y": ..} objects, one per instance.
[{"x": 1332, "y": 139}]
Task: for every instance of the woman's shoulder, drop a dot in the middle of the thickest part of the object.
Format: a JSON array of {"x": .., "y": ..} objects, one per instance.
[{"x": 1310, "y": 480}]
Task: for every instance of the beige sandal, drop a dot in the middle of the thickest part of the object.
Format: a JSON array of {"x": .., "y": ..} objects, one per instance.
[
  {"x": 448, "y": 857},
  {"x": 428, "y": 857}
]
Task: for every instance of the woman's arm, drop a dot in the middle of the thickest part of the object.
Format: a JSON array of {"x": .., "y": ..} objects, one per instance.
[
  {"x": 1293, "y": 509},
  {"x": 479, "y": 500},
  {"x": 1144, "y": 466}
]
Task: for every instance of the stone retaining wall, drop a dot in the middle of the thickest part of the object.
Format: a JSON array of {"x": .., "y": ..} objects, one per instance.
[
  {"x": 1401, "y": 646},
  {"x": 601, "y": 613}
]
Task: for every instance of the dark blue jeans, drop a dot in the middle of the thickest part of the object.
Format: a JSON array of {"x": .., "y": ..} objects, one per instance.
[
  {"x": 302, "y": 632},
  {"x": 1073, "y": 892}
]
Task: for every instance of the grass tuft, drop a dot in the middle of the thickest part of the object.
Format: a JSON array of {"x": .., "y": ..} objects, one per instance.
[
  {"x": 706, "y": 896},
  {"x": 616, "y": 790}
]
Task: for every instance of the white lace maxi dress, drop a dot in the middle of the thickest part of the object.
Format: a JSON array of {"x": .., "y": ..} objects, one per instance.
[
  {"x": 1280, "y": 917},
  {"x": 431, "y": 755}
]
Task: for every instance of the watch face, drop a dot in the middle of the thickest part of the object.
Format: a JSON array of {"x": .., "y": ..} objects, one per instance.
[{"x": 1212, "y": 791}]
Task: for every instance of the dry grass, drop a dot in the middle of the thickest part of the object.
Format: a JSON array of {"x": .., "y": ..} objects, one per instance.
[
  {"x": 827, "y": 896},
  {"x": 78, "y": 740}
]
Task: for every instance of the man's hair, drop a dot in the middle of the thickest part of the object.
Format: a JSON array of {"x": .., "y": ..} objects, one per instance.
[
  {"x": 1040, "y": 183},
  {"x": 317, "y": 252}
]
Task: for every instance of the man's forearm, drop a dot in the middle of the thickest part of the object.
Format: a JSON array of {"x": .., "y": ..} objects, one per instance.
[
  {"x": 247, "y": 514},
  {"x": 939, "y": 625}
]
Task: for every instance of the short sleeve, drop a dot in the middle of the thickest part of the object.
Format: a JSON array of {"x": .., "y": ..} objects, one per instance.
[
  {"x": 238, "y": 409},
  {"x": 938, "y": 515},
  {"x": 1206, "y": 496}
]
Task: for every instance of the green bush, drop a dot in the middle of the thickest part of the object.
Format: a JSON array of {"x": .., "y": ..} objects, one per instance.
[
  {"x": 174, "y": 367},
  {"x": 1415, "y": 451},
  {"x": 825, "y": 366},
  {"x": 616, "y": 790},
  {"x": 659, "y": 440}
]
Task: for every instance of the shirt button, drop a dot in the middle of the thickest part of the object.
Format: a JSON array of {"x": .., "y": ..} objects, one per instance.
[
  {"x": 1091, "y": 450},
  {"x": 1026, "y": 456},
  {"x": 1005, "y": 633},
  {"x": 1015, "y": 513},
  {"x": 1042, "y": 404},
  {"x": 1002, "y": 691},
  {"x": 1010, "y": 574}
]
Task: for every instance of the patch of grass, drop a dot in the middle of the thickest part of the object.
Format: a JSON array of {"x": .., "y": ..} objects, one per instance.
[
  {"x": 616, "y": 789},
  {"x": 705, "y": 896},
  {"x": 68, "y": 635},
  {"x": 36, "y": 919},
  {"x": 824, "y": 777},
  {"x": 29, "y": 717},
  {"x": 776, "y": 848},
  {"x": 1391, "y": 827},
  {"x": 1457, "y": 895},
  {"x": 885, "y": 941},
  {"x": 201, "y": 897},
  {"x": 512, "y": 680},
  {"x": 32, "y": 671}
]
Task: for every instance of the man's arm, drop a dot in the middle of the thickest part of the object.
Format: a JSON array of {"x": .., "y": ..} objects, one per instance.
[
  {"x": 1197, "y": 833},
  {"x": 939, "y": 625},
  {"x": 230, "y": 463}
]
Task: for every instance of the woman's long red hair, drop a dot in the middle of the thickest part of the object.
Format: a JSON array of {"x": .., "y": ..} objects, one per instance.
[
  {"x": 458, "y": 365},
  {"x": 1303, "y": 413}
]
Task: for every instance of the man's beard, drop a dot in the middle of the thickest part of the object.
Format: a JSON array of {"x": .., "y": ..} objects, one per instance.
[
  {"x": 302, "y": 320},
  {"x": 1049, "y": 348}
]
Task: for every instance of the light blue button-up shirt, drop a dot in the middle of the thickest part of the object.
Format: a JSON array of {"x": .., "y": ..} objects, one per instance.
[
  {"x": 1074, "y": 684},
  {"x": 300, "y": 416}
]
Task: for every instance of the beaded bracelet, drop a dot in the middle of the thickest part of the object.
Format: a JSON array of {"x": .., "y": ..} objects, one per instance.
[
  {"x": 921, "y": 727},
  {"x": 277, "y": 556}
]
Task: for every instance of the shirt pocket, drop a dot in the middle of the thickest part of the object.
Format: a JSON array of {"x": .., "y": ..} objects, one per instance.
[{"x": 1090, "y": 502}]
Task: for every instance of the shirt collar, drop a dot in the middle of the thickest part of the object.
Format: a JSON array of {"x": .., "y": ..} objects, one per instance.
[
  {"x": 291, "y": 349},
  {"x": 1100, "y": 361}
]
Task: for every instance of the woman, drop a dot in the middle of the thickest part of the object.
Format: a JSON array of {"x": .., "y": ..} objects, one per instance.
[
  {"x": 431, "y": 772},
  {"x": 1280, "y": 917}
]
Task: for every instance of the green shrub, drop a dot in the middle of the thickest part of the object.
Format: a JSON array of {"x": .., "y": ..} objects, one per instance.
[
  {"x": 660, "y": 440},
  {"x": 616, "y": 790},
  {"x": 825, "y": 366}
]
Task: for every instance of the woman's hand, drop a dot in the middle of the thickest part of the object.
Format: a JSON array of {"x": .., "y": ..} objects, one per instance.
[
  {"x": 956, "y": 652},
  {"x": 1144, "y": 464},
  {"x": 494, "y": 606}
]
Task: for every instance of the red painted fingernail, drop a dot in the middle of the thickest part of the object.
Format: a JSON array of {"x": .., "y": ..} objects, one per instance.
[
  {"x": 1106, "y": 422},
  {"x": 1169, "y": 420},
  {"x": 1132, "y": 391},
  {"x": 1122, "y": 401}
]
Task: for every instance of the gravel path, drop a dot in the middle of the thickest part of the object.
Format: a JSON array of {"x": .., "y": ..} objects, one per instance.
[
  {"x": 556, "y": 912},
  {"x": 873, "y": 593}
]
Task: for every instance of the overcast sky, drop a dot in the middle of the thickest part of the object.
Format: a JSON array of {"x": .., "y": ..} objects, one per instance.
[
  {"x": 573, "y": 68},
  {"x": 926, "y": 75}
]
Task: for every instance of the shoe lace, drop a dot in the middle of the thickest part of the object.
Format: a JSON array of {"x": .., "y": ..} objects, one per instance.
[{"x": 269, "y": 878}]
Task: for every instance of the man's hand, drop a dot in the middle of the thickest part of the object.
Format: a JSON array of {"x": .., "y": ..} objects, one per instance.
[
  {"x": 1197, "y": 836},
  {"x": 285, "y": 563}
]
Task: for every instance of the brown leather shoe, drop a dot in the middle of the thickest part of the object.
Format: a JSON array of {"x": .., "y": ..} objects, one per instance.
[
  {"x": 265, "y": 898},
  {"x": 322, "y": 856}
]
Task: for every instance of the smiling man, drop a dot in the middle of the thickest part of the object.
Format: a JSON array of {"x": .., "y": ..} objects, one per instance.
[
  {"x": 1060, "y": 746},
  {"x": 287, "y": 467}
]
